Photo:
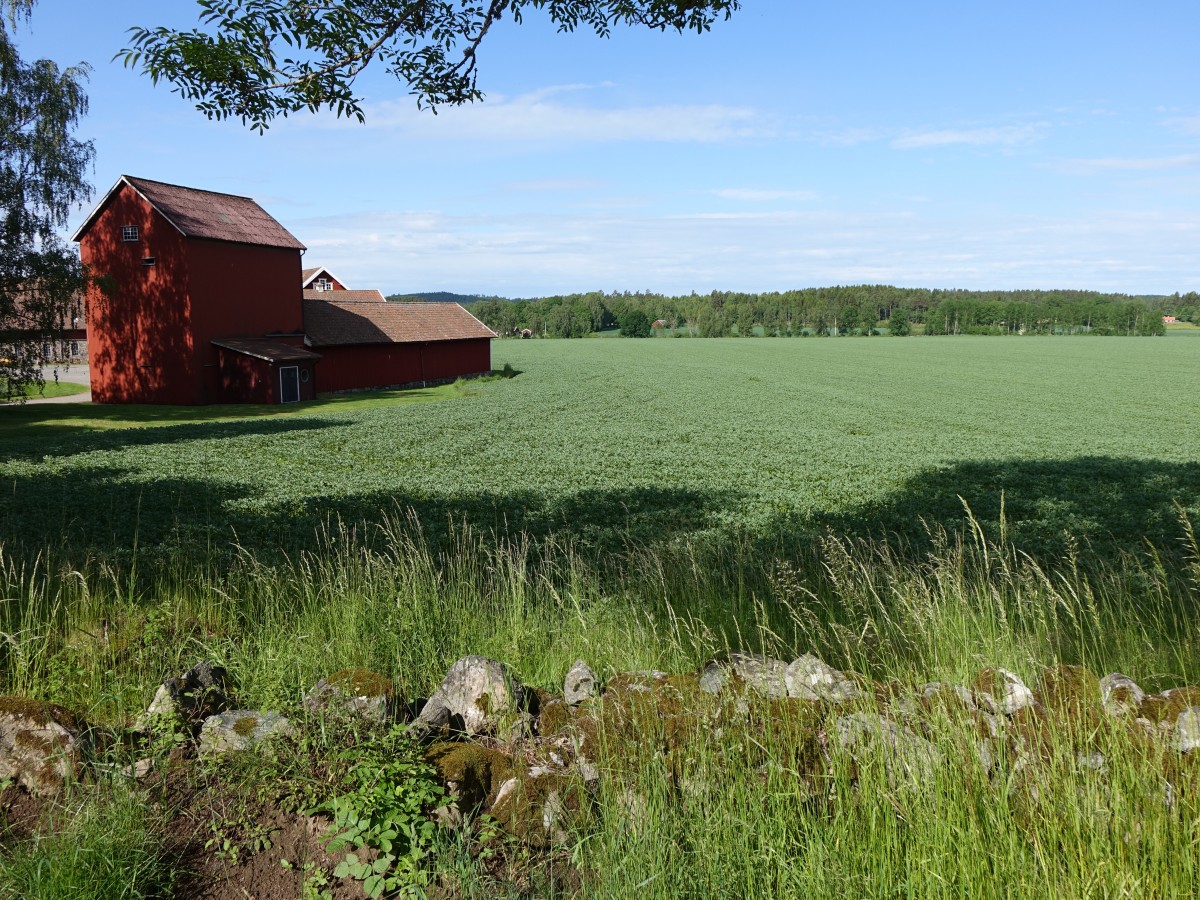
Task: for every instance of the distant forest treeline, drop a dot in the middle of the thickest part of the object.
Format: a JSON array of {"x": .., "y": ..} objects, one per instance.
[{"x": 855, "y": 309}]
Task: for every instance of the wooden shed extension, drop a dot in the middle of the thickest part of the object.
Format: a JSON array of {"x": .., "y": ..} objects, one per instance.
[
  {"x": 365, "y": 344},
  {"x": 265, "y": 371}
]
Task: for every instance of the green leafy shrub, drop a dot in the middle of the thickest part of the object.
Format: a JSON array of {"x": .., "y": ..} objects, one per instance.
[{"x": 381, "y": 818}]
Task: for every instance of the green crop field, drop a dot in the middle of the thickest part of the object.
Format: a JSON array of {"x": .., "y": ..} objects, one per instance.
[
  {"x": 646, "y": 441},
  {"x": 911, "y": 511}
]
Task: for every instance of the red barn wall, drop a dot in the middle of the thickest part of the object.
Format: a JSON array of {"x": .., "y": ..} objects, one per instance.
[
  {"x": 140, "y": 346},
  {"x": 240, "y": 290},
  {"x": 356, "y": 366}
]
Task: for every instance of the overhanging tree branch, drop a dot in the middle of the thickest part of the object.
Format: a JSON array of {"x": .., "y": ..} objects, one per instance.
[{"x": 255, "y": 60}]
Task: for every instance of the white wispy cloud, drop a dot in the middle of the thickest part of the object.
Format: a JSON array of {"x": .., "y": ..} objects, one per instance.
[
  {"x": 1002, "y": 136},
  {"x": 1129, "y": 164},
  {"x": 758, "y": 194},
  {"x": 554, "y": 185},
  {"x": 1186, "y": 124},
  {"x": 545, "y": 115},
  {"x": 852, "y": 137},
  {"x": 539, "y": 254}
]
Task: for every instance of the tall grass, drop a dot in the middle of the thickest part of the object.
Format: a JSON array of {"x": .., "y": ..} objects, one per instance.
[
  {"x": 105, "y": 846},
  {"x": 747, "y": 820}
]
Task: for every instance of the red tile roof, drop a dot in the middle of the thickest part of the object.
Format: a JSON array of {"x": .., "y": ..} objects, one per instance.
[
  {"x": 205, "y": 214},
  {"x": 331, "y": 322},
  {"x": 272, "y": 351},
  {"x": 369, "y": 296}
]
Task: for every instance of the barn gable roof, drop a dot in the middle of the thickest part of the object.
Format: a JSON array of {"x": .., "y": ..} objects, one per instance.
[
  {"x": 203, "y": 214},
  {"x": 332, "y": 322}
]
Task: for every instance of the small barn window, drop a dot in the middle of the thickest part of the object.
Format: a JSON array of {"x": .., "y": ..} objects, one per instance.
[
  {"x": 304, "y": 375},
  {"x": 129, "y": 233},
  {"x": 148, "y": 260}
]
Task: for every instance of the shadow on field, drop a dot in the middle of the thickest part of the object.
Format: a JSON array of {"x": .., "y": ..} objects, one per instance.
[
  {"x": 110, "y": 510},
  {"x": 13, "y": 445},
  {"x": 1103, "y": 505}
]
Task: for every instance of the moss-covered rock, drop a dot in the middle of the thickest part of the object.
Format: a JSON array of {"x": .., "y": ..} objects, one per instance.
[
  {"x": 554, "y": 717},
  {"x": 353, "y": 694},
  {"x": 471, "y": 772},
  {"x": 1069, "y": 692},
  {"x": 541, "y": 808},
  {"x": 1166, "y": 706},
  {"x": 42, "y": 745},
  {"x": 1005, "y": 687},
  {"x": 242, "y": 729}
]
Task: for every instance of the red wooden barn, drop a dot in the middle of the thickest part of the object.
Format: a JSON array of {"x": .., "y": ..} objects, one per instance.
[
  {"x": 204, "y": 302},
  {"x": 364, "y": 343}
]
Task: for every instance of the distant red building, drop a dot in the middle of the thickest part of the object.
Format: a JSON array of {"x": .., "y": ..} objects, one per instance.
[
  {"x": 321, "y": 284},
  {"x": 206, "y": 302},
  {"x": 320, "y": 279}
]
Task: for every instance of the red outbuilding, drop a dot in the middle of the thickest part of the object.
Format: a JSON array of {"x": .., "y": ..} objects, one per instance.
[
  {"x": 202, "y": 299},
  {"x": 367, "y": 344}
]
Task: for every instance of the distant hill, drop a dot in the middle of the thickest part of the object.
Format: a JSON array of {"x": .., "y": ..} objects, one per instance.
[{"x": 441, "y": 297}]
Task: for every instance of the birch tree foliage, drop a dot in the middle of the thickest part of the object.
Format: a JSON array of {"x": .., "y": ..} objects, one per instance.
[
  {"x": 43, "y": 176},
  {"x": 255, "y": 60}
]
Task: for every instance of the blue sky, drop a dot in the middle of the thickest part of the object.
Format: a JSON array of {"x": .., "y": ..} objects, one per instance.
[{"x": 934, "y": 144}]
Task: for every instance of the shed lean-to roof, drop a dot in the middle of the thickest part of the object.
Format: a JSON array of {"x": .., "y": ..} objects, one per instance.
[
  {"x": 332, "y": 322},
  {"x": 271, "y": 351},
  {"x": 371, "y": 296},
  {"x": 203, "y": 214}
]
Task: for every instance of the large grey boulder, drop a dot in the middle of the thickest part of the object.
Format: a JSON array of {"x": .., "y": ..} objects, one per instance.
[
  {"x": 1187, "y": 730},
  {"x": 761, "y": 674},
  {"x": 580, "y": 684},
  {"x": 41, "y": 745},
  {"x": 242, "y": 729},
  {"x": 480, "y": 692},
  {"x": 1120, "y": 695},
  {"x": 908, "y": 758},
  {"x": 808, "y": 678},
  {"x": 198, "y": 693}
]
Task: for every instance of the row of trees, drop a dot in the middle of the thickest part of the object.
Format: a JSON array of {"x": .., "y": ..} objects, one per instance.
[{"x": 854, "y": 309}]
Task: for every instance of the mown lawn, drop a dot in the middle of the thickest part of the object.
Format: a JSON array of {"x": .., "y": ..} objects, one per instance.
[{"x": 50, "y": 389}]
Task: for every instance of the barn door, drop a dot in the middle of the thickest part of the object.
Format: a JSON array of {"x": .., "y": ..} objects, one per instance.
[{"x": 289, "y": 384}]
